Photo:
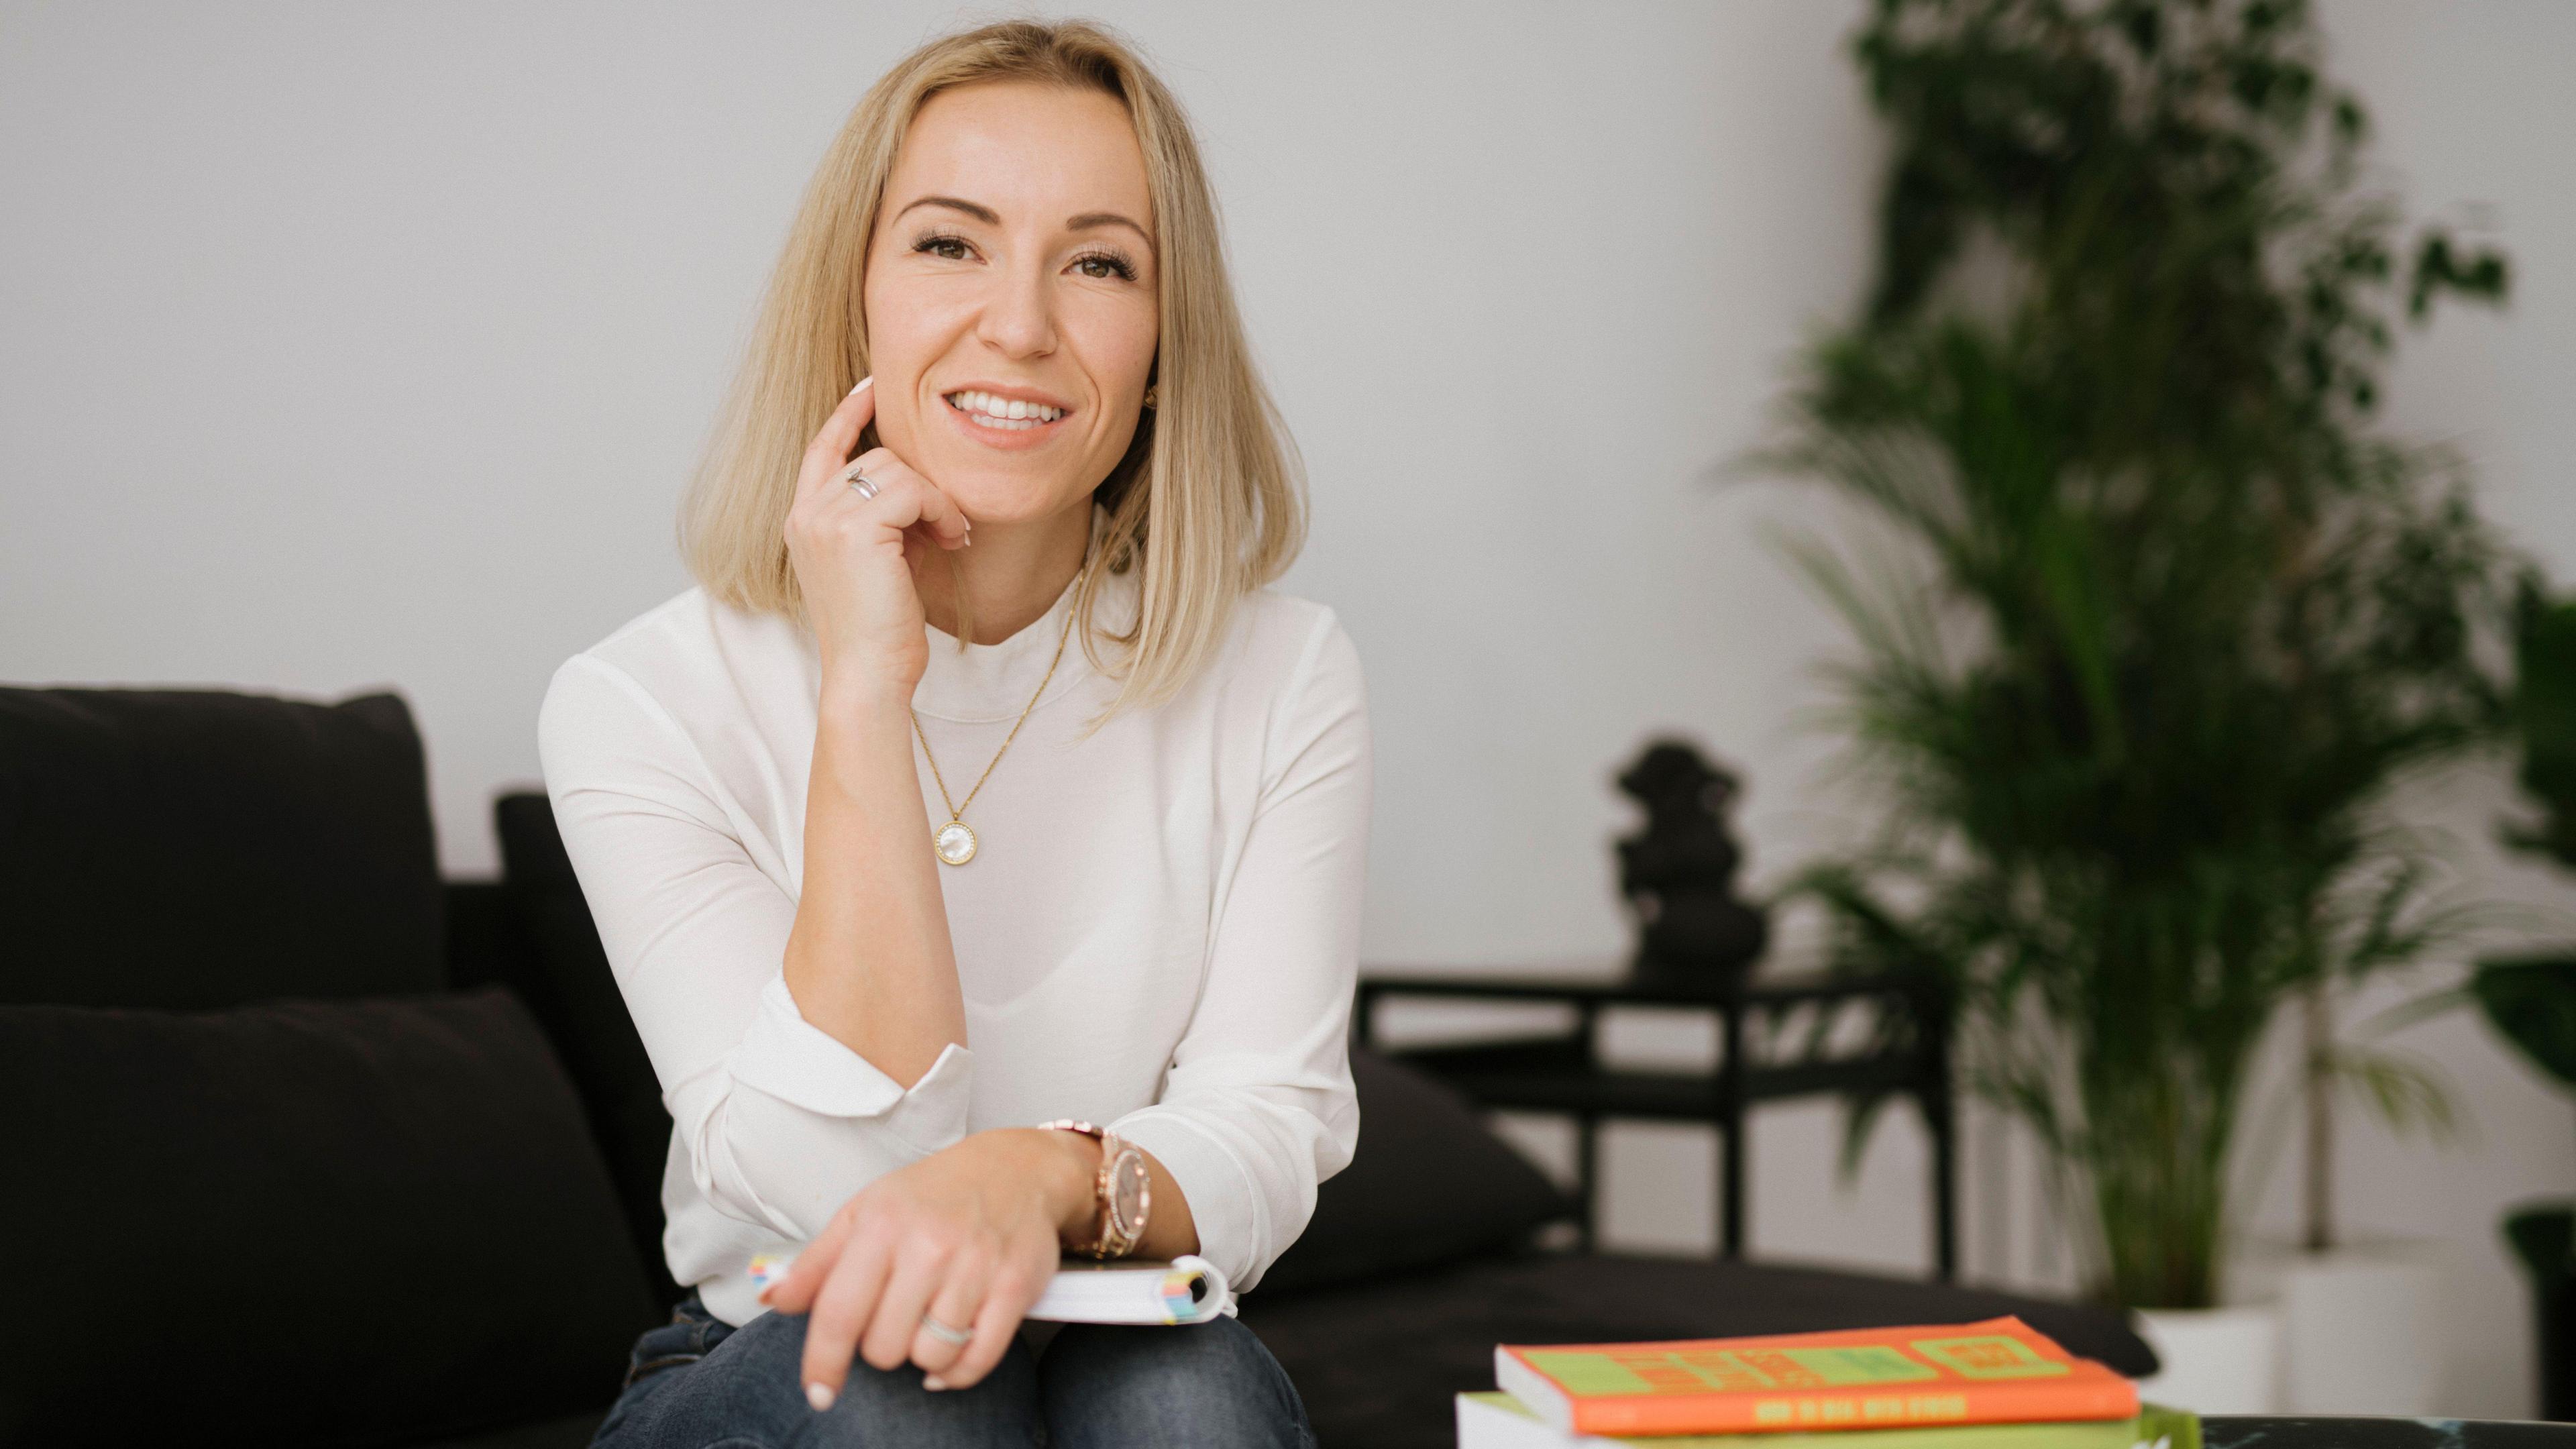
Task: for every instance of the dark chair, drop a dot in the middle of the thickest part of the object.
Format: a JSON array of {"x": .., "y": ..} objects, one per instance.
[{"x": 368, "y": 1157}]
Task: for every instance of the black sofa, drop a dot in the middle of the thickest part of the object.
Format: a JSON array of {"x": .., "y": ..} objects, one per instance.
[{"x": 315, "y": 1147}]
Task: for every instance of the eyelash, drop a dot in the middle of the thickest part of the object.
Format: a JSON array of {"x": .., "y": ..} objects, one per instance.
[{"x": 1125, "y": 269}]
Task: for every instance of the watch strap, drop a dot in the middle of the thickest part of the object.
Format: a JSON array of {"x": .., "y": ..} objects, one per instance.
[{"x": 1106, "y": 1240}]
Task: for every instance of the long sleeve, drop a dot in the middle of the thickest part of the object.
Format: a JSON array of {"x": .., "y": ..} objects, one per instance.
[
  {"x": 781, "y": 1123},
  {"x": 1258, "y": 1106}
]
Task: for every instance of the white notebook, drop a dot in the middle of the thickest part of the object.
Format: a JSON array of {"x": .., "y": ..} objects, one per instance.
[{"x": 1188, "y": 1289}]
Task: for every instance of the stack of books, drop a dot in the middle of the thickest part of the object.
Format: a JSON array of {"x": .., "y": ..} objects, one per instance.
[{"x": 1995, "y": 1384}]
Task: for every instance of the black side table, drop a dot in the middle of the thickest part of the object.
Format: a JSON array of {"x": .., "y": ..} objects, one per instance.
[
  {"x": 1565, "y": 1074},
  {"x": 2292, "y": 1433}
]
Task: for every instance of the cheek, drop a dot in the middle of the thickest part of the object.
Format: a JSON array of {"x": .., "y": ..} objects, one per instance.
[
  {"x": 1144, "y": 334},
  {"x": 1121, "y": 343},
  {"x": 900, "y": 351}
]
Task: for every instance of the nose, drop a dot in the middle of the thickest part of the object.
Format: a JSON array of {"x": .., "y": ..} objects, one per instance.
[{"x": 1019, "y": 317}]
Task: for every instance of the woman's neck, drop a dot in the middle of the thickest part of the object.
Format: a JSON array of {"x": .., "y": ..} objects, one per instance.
[{"x": 1014, "y": 572}]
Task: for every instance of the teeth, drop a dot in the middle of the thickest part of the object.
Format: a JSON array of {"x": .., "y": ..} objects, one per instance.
[{"x": 994, "y": 412}]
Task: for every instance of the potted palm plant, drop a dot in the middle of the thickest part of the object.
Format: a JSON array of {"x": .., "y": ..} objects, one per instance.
[{"x": 2162, "y": 618}]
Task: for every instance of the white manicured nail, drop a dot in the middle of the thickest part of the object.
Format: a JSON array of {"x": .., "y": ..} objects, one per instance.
[
  {"x": 863, "y": 382},
  {"x": 819, "y": 1395},
  {"x": 933, "y": 1382}
]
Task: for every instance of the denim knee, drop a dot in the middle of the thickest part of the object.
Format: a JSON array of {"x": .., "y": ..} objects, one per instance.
[
  {"x": 691, "y": 1334},
  {"x": 1209, "y": 1386},
  {"x": 748, "y": 1390}
]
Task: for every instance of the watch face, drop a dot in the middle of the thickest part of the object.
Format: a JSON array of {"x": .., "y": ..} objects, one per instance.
[{"x": 1127, "y": 1182}]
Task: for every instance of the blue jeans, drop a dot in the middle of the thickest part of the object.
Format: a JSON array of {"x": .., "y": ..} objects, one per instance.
[{"x": 700, "y": 1383}]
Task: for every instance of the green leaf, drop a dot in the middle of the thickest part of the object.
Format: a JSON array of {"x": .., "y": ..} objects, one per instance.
[
  {"x": 2405, "y": 1094},
  {"x": 2532, "y": 1004}
]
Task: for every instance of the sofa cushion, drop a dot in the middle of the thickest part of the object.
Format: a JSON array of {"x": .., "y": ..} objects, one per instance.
[
  {"x": 197, "y": 849},
  {"x": 361, "y": 1222},
  {"x": 1428, "y": 1185},
  {"x": 1376, "y": 1363}
]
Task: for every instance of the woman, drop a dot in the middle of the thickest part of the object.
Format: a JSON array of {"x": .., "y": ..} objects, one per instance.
[{"x": 890, "y": 875}]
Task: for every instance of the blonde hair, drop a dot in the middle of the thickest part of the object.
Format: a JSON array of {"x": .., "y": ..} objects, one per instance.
[{"x": 1209, "y": 498}]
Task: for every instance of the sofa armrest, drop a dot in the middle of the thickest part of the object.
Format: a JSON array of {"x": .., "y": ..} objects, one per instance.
[{"x": 565, "y": 978}]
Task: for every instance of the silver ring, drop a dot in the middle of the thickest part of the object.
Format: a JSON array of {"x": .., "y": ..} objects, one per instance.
[
  {"x": 859, "y": 480},
  {"x": 944, "y": 1333}
]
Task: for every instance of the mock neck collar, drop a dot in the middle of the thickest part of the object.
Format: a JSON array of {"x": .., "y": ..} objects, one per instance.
[{"x": 994, "y": 681}]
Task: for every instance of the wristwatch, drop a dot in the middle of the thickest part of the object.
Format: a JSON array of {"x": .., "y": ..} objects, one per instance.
[{"x": 1123, "y": 1191}]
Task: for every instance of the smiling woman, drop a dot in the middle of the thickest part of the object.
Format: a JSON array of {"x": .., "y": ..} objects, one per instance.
[{"x": 998, "y": 398}]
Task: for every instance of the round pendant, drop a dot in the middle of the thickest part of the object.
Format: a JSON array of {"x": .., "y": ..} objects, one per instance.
[{"x": 954, "y": 843}]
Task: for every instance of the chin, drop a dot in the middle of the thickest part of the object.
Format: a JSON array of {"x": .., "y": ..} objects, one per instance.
[{"x": 999, "y": 498}]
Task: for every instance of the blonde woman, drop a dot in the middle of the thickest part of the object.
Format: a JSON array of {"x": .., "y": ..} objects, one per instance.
[{"x": 979, "y": 845}]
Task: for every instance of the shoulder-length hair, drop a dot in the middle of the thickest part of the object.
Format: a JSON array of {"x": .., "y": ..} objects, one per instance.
[{"x": 1209, "y": 498}]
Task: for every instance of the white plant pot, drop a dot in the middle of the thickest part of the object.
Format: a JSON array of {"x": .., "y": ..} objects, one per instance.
[
  {"x": 2214, "y": 1360},
  {"x": 2359, "y": 1326}
]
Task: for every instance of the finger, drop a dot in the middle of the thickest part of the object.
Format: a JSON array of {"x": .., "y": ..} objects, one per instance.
[
  {"x": 918, "y": 1269},
  {"x": 996, "y": 1324},
  {"x": 794, "y": 1292},
  {"x": 829, "y": 452},
  {"x": 905, "y": 498},
  {"x": 902, "y": 495},
  {"x": 959, "y": 1304},
  {"x": 844, "y": 1306}
]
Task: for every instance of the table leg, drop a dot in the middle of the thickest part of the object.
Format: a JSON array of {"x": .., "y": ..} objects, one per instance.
[
  {"x": 1730, "y": 1126},
  {"x": 1940, "y": 1115},
  {"x": 1587, "y": 1163}
]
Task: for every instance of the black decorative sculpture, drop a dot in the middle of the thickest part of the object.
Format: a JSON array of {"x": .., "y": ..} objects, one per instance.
[{"x": 1679, "y": 872}]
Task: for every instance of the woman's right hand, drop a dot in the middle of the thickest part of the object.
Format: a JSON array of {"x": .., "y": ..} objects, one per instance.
[
  {"x": 853, "y": 556},
  {"x": 968, "y": 1237}
]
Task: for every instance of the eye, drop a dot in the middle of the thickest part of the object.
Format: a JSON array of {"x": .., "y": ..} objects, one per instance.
[
  {"x": 937, "y": 243},
  {"x": 1112, "y": 263}
]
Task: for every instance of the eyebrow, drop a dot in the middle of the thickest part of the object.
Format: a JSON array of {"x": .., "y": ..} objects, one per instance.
[{"x": 990, "y": 217}]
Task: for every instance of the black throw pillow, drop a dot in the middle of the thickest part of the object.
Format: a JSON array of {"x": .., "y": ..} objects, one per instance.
[
  {"x": 1430, "y": 1184},
  {"x": 349, "y": 1223},
  {"x": 194, "y": 849}
]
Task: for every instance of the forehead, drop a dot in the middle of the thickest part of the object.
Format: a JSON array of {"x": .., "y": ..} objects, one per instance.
[{"x": 1031, "y": 152}]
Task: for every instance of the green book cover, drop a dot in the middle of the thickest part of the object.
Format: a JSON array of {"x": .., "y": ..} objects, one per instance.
[{"x": 1496, "y": 1420}]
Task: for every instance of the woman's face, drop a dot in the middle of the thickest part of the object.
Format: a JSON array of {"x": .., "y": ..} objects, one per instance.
[{"x": 1013, "y": 263}]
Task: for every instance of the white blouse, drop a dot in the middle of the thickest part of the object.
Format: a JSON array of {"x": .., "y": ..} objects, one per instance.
[{"x": 1159, "y": 930}]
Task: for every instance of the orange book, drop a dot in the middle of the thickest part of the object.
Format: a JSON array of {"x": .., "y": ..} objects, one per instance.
[{"x": 1995, "y": 1372}]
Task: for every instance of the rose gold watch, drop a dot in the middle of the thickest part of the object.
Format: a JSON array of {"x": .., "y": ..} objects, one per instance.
[{"x": 1123, "y": 1191}]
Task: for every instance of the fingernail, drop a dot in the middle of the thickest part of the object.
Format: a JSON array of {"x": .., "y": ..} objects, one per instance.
[
  {"x": 819, "y": 1395},
  {"x": 933, "y": 1382},
  {"x": 863, "y": 382}
]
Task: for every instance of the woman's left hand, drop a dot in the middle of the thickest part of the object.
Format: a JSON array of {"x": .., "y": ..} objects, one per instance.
[{"x": 970, "y": 1236}]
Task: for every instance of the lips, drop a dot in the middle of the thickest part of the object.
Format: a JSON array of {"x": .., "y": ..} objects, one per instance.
[{"x": 1005, "y": 420}]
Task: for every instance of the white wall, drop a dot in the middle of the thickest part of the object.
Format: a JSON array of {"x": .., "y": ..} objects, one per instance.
[{"x": 348, "y": 346}]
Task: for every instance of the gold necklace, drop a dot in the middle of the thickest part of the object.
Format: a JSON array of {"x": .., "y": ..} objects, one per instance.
[{"x": 954, "y": 843}]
